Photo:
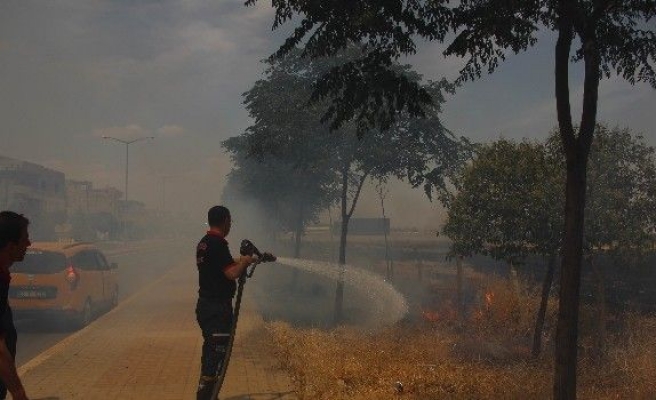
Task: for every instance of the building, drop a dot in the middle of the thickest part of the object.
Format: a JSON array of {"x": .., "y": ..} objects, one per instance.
[
  {"x": 82, "y": 197},
  {"x": 35, "y": 191},
  {"x": 92, "y": 213},
  {"x": 67, "y": 209}
]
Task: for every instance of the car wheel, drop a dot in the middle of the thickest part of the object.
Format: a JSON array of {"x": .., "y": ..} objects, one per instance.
[{"x": 85, "y": 315}]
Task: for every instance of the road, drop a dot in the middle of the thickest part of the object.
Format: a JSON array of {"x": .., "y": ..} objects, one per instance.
[{"x": 137, "y": 268}]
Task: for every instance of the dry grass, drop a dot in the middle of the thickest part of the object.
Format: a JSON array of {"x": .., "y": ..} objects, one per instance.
[{"x": 483, "y": 356}]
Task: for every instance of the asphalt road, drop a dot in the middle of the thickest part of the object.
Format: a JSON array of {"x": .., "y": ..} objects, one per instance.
[{"x": 137, "y": 268}]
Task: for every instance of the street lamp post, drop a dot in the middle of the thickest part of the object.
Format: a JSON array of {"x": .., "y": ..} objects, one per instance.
[{"x": 127, "y": 144}]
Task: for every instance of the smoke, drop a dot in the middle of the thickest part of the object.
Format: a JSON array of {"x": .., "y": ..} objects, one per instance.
[
  {"x": 406, "y": 207},
  {"x": 248, "y": 222}
]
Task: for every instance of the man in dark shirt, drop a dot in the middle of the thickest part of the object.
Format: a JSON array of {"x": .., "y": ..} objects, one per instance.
[
  {"x": 217, "y": 275},
  {"x": 14, "y": 241}
]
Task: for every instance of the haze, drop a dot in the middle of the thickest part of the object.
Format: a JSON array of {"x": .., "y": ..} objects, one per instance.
[{"x": 74, "y": 71}]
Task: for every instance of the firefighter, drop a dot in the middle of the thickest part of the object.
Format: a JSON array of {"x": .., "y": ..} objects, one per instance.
[{"x": 217, "y": 276}]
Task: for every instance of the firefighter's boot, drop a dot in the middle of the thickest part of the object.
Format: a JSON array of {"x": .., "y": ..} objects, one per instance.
[{"x": 205, "y": 388}]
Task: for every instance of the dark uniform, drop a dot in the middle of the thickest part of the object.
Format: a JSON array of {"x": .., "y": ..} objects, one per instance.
[
  {"x": 214, "y": 307},
  {"x": 7, "y": 329}
]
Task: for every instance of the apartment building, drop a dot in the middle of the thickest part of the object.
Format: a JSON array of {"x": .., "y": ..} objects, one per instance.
[
  {"x": 83, "y": 197},
  {"x": 35, "y": 191}
]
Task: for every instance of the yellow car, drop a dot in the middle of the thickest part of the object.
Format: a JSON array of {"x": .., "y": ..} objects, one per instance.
[{"x": 69, "y": 280}]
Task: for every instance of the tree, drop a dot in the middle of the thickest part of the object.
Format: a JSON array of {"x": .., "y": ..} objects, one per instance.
[
  {"x": 612, "y": 36},
  {"x": 506, "y": 207},
  {"x": 278, "y": 160},
  {"x": 382, "y": 192},
  {"x": 508, "y": 212},
  {"x": 504, "y": 198},
  {"x": 290, "y": 196},
  {"x": 419, "y": 150},
  {"x": 621, "y": 209}
]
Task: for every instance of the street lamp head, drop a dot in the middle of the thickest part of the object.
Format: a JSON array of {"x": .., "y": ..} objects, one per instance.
[
  {"x": 141, "y": 138},
  {"x": 115, "y": 139},
  {"x": 128, "y": 142}
]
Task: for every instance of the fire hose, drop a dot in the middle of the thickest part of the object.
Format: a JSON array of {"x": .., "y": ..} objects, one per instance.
[{"x": 247, "y": 248}]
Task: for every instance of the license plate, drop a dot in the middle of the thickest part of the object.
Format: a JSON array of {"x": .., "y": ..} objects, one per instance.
[{"x": 30, "y": 294}]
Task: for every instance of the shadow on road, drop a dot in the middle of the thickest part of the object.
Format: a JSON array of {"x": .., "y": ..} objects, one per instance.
[{"x": 43, "y": 326}]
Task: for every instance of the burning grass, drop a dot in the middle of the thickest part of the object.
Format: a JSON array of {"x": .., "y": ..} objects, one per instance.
[{"x": 483, "y": 356}]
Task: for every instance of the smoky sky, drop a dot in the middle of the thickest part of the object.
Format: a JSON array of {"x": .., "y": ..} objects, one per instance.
[{"x": 72, "y": 71}]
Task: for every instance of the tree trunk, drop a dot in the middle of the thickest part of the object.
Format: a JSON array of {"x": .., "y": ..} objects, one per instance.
[
  {"x": 600, "y": 297},
  {"x": 298, "y": 232},
  {"x": 381, "y": 195},
  {"x": 544, "y": 301},
  {"x": 332, "y": 236},
  {"x": 346, "y": 217},
  {"x": 460, "y": 303},
  {"x": 576, "y": 153},
  {"x": 570, "y": 281},
  {"x": 388, "y": 265},
  {"x": 339, "y": 292}
]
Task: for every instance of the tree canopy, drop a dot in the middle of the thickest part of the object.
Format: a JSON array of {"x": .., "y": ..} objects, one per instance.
[
  {"x": 279, "y": 160},
  {"x": 291, "y": 197},
  {"x": 621, "y": 207},
  {"x": 482, "y": 32},
  {"x": 508, "y": 203}
]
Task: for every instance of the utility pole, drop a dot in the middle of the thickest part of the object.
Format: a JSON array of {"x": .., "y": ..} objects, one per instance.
[{"x": 127, "y": 144}]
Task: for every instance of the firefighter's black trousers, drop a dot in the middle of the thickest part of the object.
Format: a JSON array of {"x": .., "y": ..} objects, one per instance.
[{"x": 214, "y": 317}]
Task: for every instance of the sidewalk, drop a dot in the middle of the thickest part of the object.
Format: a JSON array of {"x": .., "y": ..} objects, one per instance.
[{"x": 149, "y": 348}]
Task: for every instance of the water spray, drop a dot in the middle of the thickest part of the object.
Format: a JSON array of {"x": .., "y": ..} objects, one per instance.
[{"x": 386, "y": 305}]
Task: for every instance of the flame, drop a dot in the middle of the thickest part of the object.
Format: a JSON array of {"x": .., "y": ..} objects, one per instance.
[
  {"x": 430, "y": 316},
  {"x": 489, "y": 297}
]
